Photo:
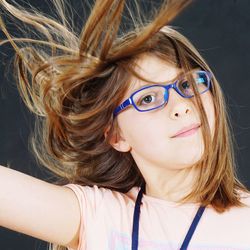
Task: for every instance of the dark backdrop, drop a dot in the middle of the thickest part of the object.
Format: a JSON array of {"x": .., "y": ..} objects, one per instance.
[{"x": 219, "y": 30}]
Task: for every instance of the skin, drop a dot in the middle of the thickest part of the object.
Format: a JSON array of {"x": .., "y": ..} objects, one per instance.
[{"x": 165, "y": 162}]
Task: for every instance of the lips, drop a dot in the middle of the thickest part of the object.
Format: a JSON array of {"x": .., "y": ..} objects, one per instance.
[{"x": 185, "y": 129}]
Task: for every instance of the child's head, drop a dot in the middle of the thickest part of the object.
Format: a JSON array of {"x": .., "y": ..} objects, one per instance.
[
  {"x": 148, "y": 136},
  {"x": 78, "y": 89}
]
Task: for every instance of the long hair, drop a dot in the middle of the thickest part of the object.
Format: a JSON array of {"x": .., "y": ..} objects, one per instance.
[{"x": 73, "y": 82}]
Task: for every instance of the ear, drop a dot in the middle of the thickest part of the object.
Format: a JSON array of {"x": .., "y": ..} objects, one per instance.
[{"x": 117, "y": 141}]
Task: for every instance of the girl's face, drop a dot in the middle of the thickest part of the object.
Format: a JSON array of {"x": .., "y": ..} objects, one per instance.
[{"x": 149, "y": 135}]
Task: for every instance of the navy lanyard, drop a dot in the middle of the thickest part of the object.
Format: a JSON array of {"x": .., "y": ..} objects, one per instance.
[{"x": 136, "y": 222}]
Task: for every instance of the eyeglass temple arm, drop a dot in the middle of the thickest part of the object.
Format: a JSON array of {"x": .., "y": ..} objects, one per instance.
[{"x": 125, "y": 104}]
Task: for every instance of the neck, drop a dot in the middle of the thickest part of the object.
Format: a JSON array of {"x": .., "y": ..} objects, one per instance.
[{"x": 171, "y": 186}]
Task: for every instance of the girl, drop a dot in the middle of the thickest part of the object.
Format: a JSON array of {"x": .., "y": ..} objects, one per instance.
[{"x": 135, "y": 124}]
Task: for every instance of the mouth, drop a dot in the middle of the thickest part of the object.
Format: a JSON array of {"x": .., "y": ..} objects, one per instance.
[{"x": 188, "y": 131}]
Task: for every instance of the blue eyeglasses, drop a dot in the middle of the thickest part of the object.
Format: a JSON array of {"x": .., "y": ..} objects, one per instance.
[{"x": 155, "y": 96}]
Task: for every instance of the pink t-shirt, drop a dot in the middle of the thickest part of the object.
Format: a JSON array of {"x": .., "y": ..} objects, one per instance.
[{"x": 107, "y": 218}]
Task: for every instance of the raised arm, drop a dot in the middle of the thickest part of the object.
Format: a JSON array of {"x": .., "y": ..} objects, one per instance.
[{"x": 39, "y": 209}]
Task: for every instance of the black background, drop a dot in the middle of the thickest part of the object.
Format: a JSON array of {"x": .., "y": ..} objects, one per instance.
[{"x": 220, "y": 31}]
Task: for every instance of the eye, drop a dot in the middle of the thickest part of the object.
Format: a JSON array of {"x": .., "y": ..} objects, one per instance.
[
  {"x": 146, "y": 99},
  {"x": 185, "y": 85}
]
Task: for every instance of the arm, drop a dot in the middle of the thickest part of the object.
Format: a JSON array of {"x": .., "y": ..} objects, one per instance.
[{"x": 39, "y": 209}]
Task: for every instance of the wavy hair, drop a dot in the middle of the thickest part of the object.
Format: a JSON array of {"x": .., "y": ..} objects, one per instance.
[{"x": 73, "y": 82}]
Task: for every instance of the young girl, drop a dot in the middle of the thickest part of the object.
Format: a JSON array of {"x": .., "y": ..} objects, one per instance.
[{"x": 135, "y": 124}]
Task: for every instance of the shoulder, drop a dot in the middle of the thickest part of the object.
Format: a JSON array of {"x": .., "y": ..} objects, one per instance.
[
  {"x": 245, "y": 198},
  {"x": 240, "y": 210},
  {"x": 95, "y": 194}
]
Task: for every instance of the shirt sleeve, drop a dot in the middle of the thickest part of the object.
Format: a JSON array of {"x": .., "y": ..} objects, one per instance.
[
  {"x": 88, "y": 198},
  {"x": 81, "y": 200}
]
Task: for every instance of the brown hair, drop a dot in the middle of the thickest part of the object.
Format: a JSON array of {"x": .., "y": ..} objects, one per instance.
[{"x": 73, "y": 83}]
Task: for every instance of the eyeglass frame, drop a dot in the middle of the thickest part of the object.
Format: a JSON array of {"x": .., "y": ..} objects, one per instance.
[{"x": 130, "y": 101}]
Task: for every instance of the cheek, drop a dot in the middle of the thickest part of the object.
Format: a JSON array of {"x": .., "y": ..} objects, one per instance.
[
  {"x": 140, "y": 131},
  {"x": 131, "y": 127}
]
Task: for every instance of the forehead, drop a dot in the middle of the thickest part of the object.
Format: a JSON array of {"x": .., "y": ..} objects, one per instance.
[{"x": 153, "y": 69}]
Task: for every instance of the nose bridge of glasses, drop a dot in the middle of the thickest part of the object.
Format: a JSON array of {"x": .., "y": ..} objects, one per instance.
[{"x": 167, "y": 89}]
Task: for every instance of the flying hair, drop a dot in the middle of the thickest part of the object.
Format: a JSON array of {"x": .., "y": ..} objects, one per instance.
[{"x": 73, "y": 81}]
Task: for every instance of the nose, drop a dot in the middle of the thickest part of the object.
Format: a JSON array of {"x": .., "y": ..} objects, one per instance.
[{"x": 177, "y": 105}]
